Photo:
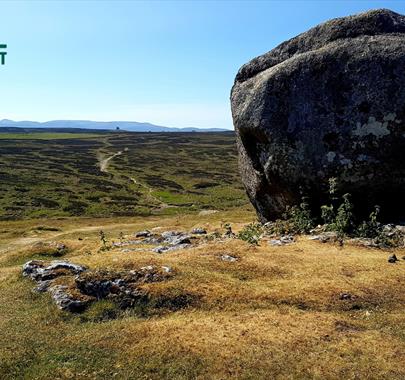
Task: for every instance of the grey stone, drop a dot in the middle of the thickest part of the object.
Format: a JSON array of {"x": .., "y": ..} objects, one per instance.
[
  {"x": 38, "y": 271},
  {"x": 345, "y": 296},
  {"x": 168, "y": 248},
  {"x": 145, "y": 233},
  {"x": 226, "y": 257},
  {"x": 66, "y": 301},
  {"x": 199, "y": 231},
  {"x": 392, "y": 259},
  {"x": 327, "y": 103},
  {"x": 43, "y": 286},
  {"x": 324, "y": 237},
  {"x": 120, "y": 286},
  {"x": 287, "y": 239}
]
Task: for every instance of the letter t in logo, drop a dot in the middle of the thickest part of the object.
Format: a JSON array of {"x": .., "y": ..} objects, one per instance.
[{"x": 3, "y": 54}]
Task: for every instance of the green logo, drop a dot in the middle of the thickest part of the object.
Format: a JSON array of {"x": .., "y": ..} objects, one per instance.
[{"x": 3, "y": 54}]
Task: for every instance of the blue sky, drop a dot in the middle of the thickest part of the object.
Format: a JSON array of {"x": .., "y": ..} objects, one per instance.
[{"x": 171, "y": 63}]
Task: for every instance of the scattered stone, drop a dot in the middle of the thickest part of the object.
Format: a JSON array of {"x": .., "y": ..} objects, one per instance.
[
  {"x": 179, "y": 240},
  {"x": 125, "y": 243},
  {"x": 345, "y": 296},
  {"x": 287, "y": 239},
  {"x": 229, "y": 258},
  {"x": 325, "y": 237},
  {"x": 168, "y": 248},
  {"x": 151, "y": 240},
  {"x": 82, "y": 287},
  {"x": 392, "y": 259},
  {"x": 145, "y": 233},
  {"x": 199, "y": 231},
  {"x": 170, "y": 234}
]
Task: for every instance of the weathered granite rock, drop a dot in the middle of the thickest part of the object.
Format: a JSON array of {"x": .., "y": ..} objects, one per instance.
[
  {"x": 38, "y": 270},
  {"x": 79, "y": 287},
  {"x": 327, "y": 103}
]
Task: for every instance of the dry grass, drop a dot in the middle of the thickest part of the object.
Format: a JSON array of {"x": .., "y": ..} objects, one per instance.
[{"x": 276, "y": 313}]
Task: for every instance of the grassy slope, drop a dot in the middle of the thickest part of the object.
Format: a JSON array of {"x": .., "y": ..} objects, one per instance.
[
  {"x": 60, "y": 176},
  {"x": 274, "y": 314}
]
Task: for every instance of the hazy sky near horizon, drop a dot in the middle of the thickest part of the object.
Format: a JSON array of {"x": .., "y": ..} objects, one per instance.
[{"x": 170, "y": 63}]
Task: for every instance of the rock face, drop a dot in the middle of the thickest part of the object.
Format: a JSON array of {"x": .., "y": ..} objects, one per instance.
[{"x": 327, "y": 103}]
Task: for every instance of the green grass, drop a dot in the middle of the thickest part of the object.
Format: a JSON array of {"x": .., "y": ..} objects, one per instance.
[
  {"x": 46, "y": 136},
  {"x": 50, "y": 175}
]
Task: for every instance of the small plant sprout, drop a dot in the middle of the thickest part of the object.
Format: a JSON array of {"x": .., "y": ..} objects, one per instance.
[
  {"x": 103, "y": 238},
  {"x": 228, "y": 230}
]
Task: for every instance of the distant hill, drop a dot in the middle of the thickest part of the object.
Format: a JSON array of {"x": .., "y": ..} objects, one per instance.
[{"x": 132, "y": 126}]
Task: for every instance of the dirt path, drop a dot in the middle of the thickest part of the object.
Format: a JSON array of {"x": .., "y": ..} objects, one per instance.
[
  {"x": 149, "y": 194},
  {"x": 103, "y": 162}
]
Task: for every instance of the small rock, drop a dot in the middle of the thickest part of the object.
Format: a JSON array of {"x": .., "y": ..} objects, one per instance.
[
  {"x": 199, "y": 231},
  {"x": 345, "y": 296},
  {"x": 392, "y": 259},
  {"x": 166, "y": 269},
  {"x": 325, "y": 237},
  {"x": 175, "y": 238},
  {"x": 179, "y": 240},
  {"x": 170, "y": 234},
  {"x": 145, "y": 233},
  {"x": 166, "y": 248},
  {"x": 36, "y": 269},
  {"x": 148, "y": 268},
  {"x": 229, "y": 258},
  {"x": 66, "y": 301},
  {"x": 42, "y": 286},
  {"x": 287, "y": 239}
]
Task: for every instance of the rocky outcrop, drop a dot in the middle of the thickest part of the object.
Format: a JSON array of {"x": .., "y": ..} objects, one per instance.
[
  {"x": 74, "y": 287},
  {"x": 327, "y": 103}
]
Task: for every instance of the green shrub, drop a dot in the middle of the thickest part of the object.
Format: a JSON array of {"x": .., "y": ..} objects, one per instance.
[
  {"x": 296, "y": 220},
  {"x": 328, "y": 214},
  {"x": 371, "y": 228},
  {"x": 300, "y": 217},
  {"x": 251, "y": 233},
  {"x": 344, "y": 222}
]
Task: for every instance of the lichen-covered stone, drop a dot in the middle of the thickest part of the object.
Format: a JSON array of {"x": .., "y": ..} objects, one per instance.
[
  {"x": 73, "y": 287},
  {"x": 327, "y": 103}
]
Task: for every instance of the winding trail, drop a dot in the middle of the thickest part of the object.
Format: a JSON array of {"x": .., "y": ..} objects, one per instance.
[
  {"x": 149, "y": 190},
  {"x": 105, "y": 161}
]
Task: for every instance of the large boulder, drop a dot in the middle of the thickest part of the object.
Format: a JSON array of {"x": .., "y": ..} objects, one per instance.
[{"x": 327, "y": 103}]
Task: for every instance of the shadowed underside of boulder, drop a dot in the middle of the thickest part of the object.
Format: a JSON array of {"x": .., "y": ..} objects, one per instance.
[{"x": 327, "y": 103}]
